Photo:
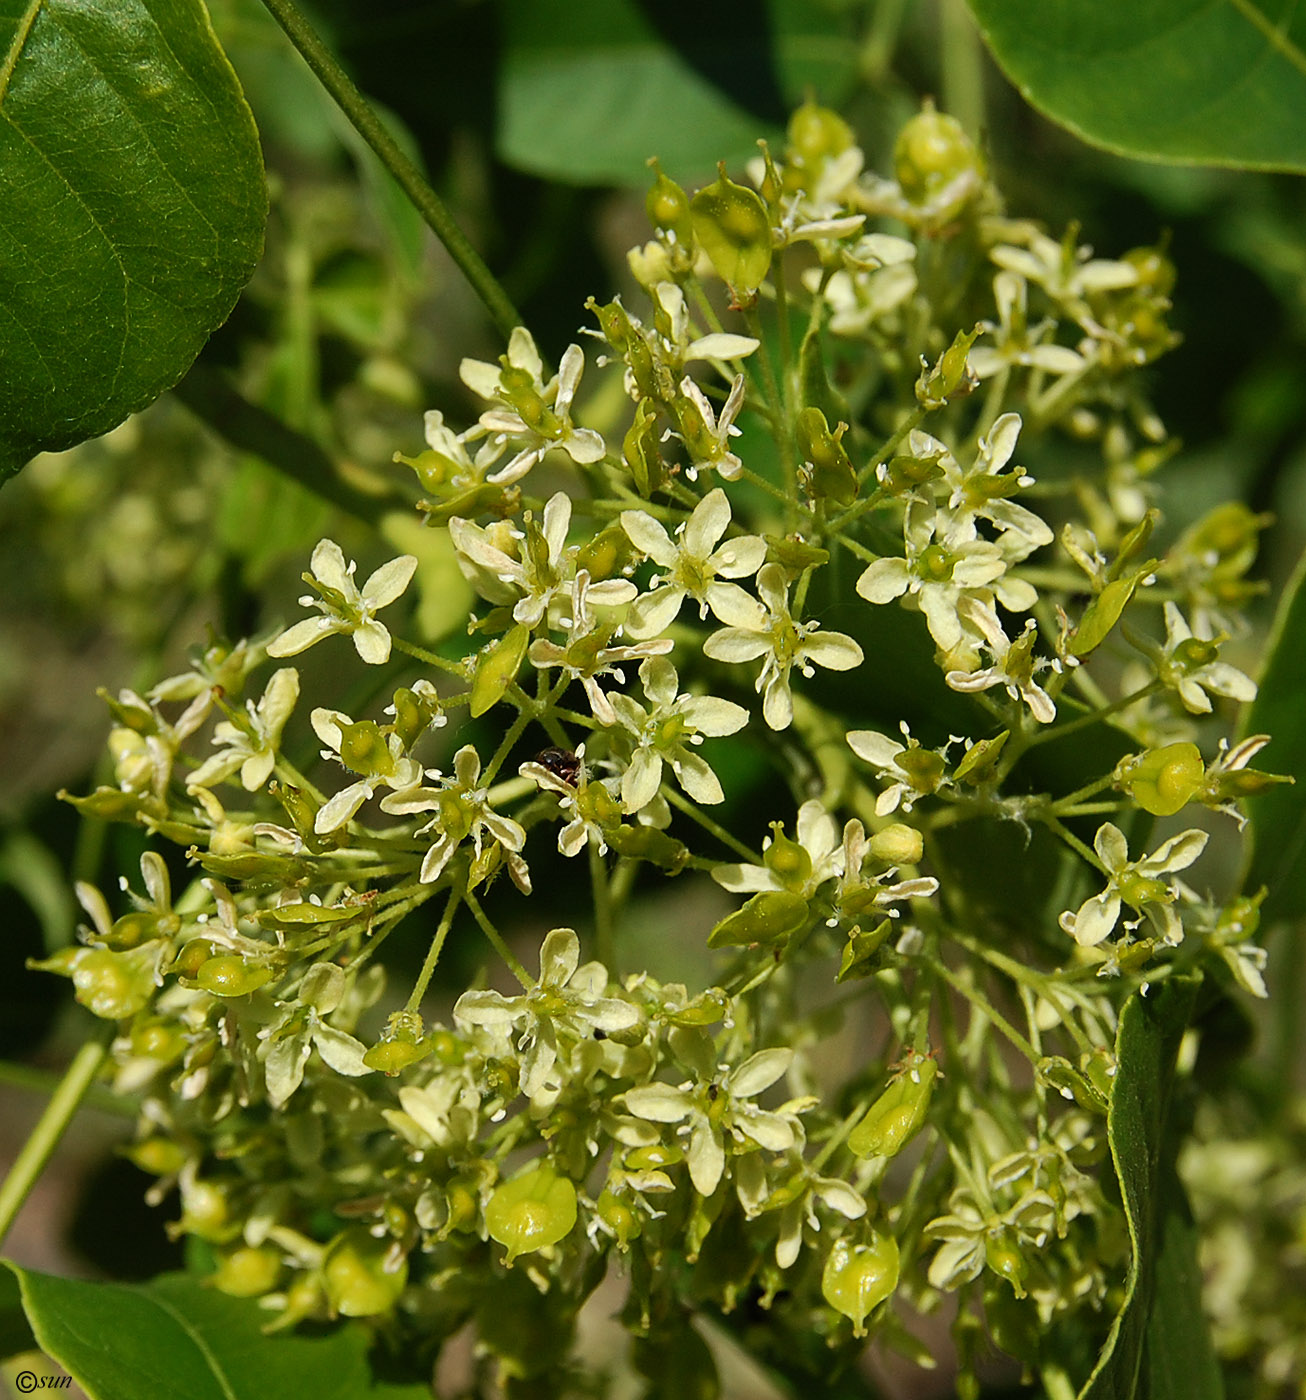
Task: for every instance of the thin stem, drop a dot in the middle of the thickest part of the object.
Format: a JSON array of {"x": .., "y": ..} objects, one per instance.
[
  {"x": 496, "y": 941},
  {"x": 714, "y": 828},
  {"x": 433, "y": 953},
  {"x": 53, "y": 1123},
  {"x": 604, "y": 940},
  {"x": 441, "y": 663},
  {"x": 983, "y": 1007},
  {"x": 410, "y": 179},
  {"x": 963, "y": 69}
]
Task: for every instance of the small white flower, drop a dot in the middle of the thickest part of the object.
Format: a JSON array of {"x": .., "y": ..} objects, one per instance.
[
  {"x": 715, "y": 1106},
  {"x": 563, "y": 1009},
  {"x": 529, "y": 411},
  {"x": 771, "y": 632},
  {"x": 696, "y": 562},
  {"x": 800, "y": 866},
  {"x": 915, "y": 772},
  {"x": 1137, "y": 883},
  {"x": 250, "y": 742},
  {"x": 1190, "y": 667},
  {"x": 1013, "y": 665},
  {"x": 668, "y": 733},
  {"x": 343, "y": 607},
  {"x": 705, "y": 433},
  {"x": 362, "y": 748}
]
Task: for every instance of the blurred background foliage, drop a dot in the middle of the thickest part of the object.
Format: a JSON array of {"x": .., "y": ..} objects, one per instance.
[{"x": 534, "y": 119}]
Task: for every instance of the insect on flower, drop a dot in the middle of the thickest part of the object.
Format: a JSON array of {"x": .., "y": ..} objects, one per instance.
[{"x": 562, "y": 763}]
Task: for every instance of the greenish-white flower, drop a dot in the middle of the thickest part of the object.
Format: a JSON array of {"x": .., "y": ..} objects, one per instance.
[
  {"x": 696, "y": 563},
  {"x": 250, "y": 741},
  {"x": 564, "y": 1008},
  {"x": 1191, "y": 667},
  {"x": 716, "y": 1107},
  {"x": 344, "y": 607},
  {"x": 1136, "y": 883},
  {"x": 770, "y": 631},
  {"x": 667, "y": 732}
]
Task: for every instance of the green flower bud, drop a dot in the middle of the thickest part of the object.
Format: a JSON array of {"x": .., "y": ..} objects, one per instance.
[
  {"x": 667, "y": 205},
  {"x": 639, "y": 448},
  {"x": 931, "y": 154},
  {"x": 532, "y": 1211},
  {"x": 793, "y": 554},
  {"x": 402, "y": 1044},
  {"x": 898, "y": 844},
  {"x": 771, "y": 917},
  {"x": 816, "y": 133},
  {"x": 157, "y": 1155},
  {"x": 496, "y": 669},
  {"x": 157, "y": 1039},
  {"x": 831, "y": 473},
  {"x": 860, "y": 949},
  {"x": 247, "y": 1272},
  {"x": 859, "y": 1277},
  {"x": 360, "y": 1276},
  {"x": 1103, "y": 613},
  {"x": 207, "y": 1213},
  {"x": 951, "y": 377},
  {"x": 229, "y": 975},
  {"x": 654, "y": 1158},
  {"x": 1164, "y": 780},
  {"x": 623, "y": 1222},
  {"x": 899, "y": 1113},
  {"x": 1058, "y": 1073},
  {"x": 978, "y": 762},
  {"x": 650, "y": 844},
  {"x": 731, "y": 225}
]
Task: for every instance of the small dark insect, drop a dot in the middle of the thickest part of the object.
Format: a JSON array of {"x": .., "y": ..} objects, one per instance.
[{"x": 562, "y": 763}]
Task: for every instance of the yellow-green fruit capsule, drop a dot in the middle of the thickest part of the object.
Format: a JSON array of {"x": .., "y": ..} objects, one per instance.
[
  {"x": 248, "y": 1272},
  {"x": 1164, "y": 780},
  {"x": 532, "y": 1211},
  {"x": 230, "y": 976},
  {"x": 859, "y": 1277},
  {"x": 732, "y": 228},
  {"x": 356, "y": 1277},
  {"x": 899, "y": 1113},
  {"x": 114, "y": 985},
  {"x": 1002, "y": 1256}
]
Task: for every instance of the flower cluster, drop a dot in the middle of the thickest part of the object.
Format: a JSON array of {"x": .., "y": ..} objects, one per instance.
[{"x": 802, "y": 670}]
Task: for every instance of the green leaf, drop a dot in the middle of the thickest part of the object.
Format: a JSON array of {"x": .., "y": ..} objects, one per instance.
[
  {"x": 1208, "y": 82},
  {"x": 588, "y": 90},
  {"x": 1147, "y": 1043},
  {"x": 133, "y": 196},
  {"x": 1278, "y": 817},
  {"x": 15, "y": 1331},
  {"x": 177, "y": 1338}
]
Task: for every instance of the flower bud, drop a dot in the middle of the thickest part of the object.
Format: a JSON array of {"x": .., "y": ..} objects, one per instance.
[
  {"x": 858, "y": 1277},
  {"x": 831, "y": 474},
  {"x": 898, "y": 844},
  {"x": 247, "y": 1272},
  {"x": 952, "y": 377},
  {"x": 899, "y": 1113},
  {"x": 115, "y": 985},
  {"x": 934, "y": 160},
  {"x": 816, "y": 133},
  {"x": 731, "y": 226},
  {"x": 667, "y": 206},
  {"x": 496, "y": 669},
  {"x": 771, "y": 917},
  {"x": 360, "y": 1274},
  {"x": 229, "y": 975}
]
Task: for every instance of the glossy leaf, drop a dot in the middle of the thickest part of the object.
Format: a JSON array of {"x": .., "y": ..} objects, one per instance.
[
  {"x": 1147, "y": 1043},
  {"x": 1278, "y": 817},
  {"x": 134, "y": 202},
  {"x": 176, "y": 1337},
  {"x": 1211, "y": 82},
  {"x": 589, "y": 89}
]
